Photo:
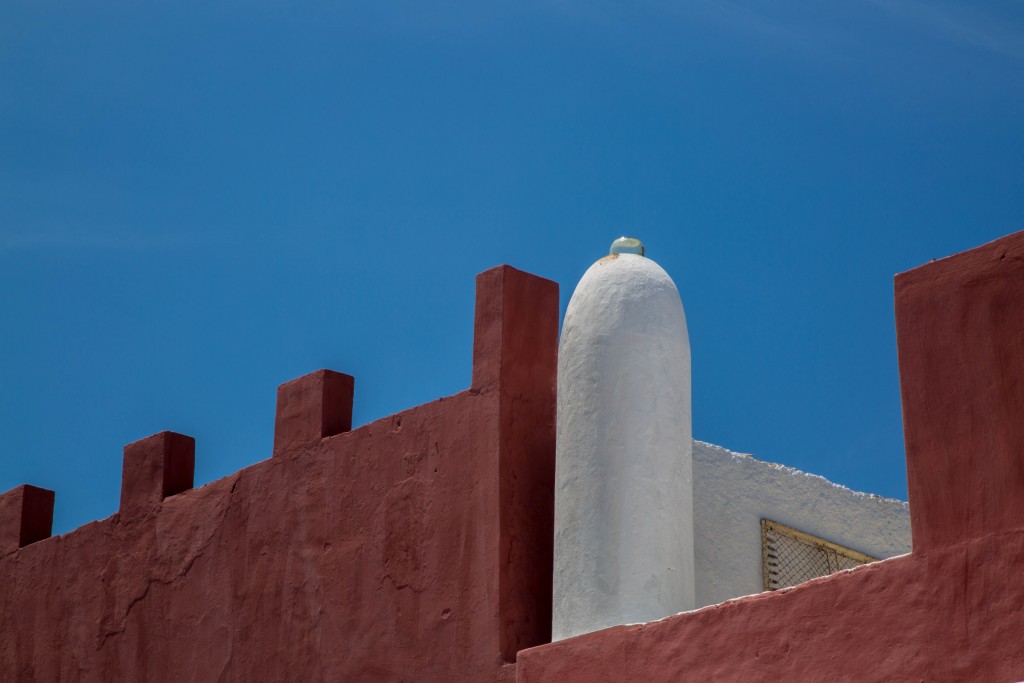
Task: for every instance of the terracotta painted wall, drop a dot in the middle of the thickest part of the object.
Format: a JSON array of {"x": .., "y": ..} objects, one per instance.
[
  {"x": 413, "y": 548},
  {"x": 952, "y": 610},
  {"x": 418, "y": 547}
]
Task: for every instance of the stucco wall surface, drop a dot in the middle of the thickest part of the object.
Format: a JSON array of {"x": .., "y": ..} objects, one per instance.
[
  {"x": 623, "y": 502},
  {"x": 417, "y": 547},
  {"x": 948, "y": 611},
  {"x": 950, "y": 617},
  {"x": 732, "y": 492}
]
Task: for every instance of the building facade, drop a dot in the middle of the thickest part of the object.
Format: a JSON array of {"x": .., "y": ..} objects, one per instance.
[{"x": 420, "y": 547}]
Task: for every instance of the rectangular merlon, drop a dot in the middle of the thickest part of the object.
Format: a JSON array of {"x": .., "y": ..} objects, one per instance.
[
  {"x": 515, "y": 361},
  {"x": 312, "y": 407},
  {"x": 156, "y": 467},
  {"x": 960, "y": 333},
  {"x": 515, "y": 336},
  {"x": 26, "y": 516}
]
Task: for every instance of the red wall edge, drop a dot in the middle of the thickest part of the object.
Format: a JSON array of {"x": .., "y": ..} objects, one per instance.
[
  {"x": 953, "y": 610},
  {"x": 953, "y": 615},
  {"x": 416, "y": 547}
]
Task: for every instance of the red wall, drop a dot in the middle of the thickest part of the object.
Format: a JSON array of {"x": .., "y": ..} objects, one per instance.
[
  {"x": 418, "y": 547},
  {"x": 953, "y": 610},
  {"x": 413, "y": 548}
]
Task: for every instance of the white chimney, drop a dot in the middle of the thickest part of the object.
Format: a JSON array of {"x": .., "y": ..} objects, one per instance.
[{"x": 623, "y": 491}]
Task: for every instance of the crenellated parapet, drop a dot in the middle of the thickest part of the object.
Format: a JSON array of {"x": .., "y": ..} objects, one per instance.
[
  {"x": 311, "y": 408},
  {"x": 26, "y": 516},
  {"x": 419, "y": 547},
  {"x": 154, "y": 468},
  {"x": 416, "y": 545}
]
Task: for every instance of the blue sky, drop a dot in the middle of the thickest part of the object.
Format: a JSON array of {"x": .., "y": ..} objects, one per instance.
[{"x": 199, "y": 201}]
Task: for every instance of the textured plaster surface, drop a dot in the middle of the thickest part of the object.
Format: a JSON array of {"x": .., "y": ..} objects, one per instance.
[
  {"x": 732, "y": 492},
  {"x": 416, "y": 548},
  {"x": 413, "y": 548},
  {"x": 960, "y": 325},
  {"x": 950, "y": 610},
  {"x": 951, "y": 616},
  {"x": 623, "y": 507},
  {"x": 26, "y": 516}
]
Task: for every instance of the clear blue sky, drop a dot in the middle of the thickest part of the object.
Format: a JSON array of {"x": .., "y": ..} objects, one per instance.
[{"x": 199, "y": 201}]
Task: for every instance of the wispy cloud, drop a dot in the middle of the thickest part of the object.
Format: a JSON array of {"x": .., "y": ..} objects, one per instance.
[
  {"x": 995, "y": 27},
  {"x": 962, "y": 23}
]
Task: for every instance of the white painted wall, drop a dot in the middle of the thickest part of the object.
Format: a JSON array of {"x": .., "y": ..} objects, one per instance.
[
  {"x": 649, "y": 523},
  {"x": 732, "y": 492},
  {"x": 623, "y": 492}
]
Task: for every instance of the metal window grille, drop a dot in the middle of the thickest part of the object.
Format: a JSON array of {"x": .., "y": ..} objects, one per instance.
[{"x": 789, "y": 557}]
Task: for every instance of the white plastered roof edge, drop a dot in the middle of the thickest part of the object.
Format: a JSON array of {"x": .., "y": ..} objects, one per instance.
[{"x": 796, "y": 472}]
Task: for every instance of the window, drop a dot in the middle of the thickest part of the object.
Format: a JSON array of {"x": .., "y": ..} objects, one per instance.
[{"x": 789, "y": 557}]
